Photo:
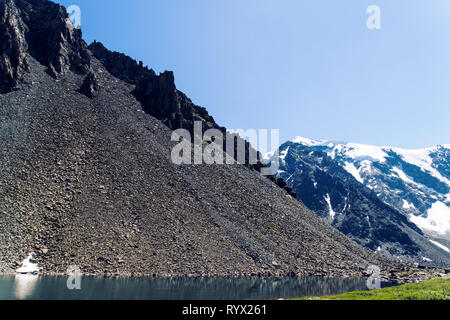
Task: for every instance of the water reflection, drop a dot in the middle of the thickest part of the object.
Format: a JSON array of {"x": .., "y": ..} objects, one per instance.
[
  {"x": 24, "y": 285},
  {"x": 54, "y": 288}
]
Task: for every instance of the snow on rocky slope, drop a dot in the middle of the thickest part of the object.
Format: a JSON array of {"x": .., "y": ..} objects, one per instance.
[{"x": 415, "y": 182}]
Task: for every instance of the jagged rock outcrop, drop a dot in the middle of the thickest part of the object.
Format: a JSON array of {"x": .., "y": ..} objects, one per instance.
[
  {"x": 43, "y": 30},
  {"x": 161, "y": 99},
  {"x": 13, "y": 46},
  {"x": 157, "y": 93}
]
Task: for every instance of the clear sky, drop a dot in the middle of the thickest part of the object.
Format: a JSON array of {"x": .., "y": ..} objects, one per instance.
[{"x": 309, "y": 68}]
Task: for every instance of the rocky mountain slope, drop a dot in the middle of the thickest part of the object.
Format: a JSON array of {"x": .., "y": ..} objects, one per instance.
[
  {"x": 87, "y": 177},
  {"x": 329, "y": 179},
  {"x": 161, "y": 99}
]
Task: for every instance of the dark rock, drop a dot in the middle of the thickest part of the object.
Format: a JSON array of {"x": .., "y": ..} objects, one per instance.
[
  {"x": 280, "y": 182},
  {"x": 90, "y": 86},
  {"x": 43, "y": 30},
  {"x": 13, "y": 46}
]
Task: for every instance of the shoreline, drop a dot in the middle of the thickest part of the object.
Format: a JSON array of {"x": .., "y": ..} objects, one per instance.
[{"x": 399, "y": 278}]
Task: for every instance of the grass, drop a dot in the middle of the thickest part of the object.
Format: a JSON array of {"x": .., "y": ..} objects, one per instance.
[
  {"x": 274, "y": 228},
  {"x": 435, "y": 289}
]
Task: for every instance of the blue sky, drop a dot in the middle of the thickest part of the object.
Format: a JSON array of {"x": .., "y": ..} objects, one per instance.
[{"x": 309, "y": 68}]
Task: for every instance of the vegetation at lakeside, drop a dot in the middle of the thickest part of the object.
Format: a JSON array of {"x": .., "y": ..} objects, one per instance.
[{"x": 435, "y": 289}]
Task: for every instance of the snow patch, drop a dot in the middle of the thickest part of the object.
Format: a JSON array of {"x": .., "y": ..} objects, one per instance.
[
  {"x": 421, "y": 158},
  {"x": 437, "y": 244},
  {"x": 366, "y": 166},
  {"x": 330, "y": 207},
  {"x": 287, "y": 180},
  {"x": 346, "y": 204},
  {"x": 283, "y": 154},
  {"x": 407, "y": 205},
  {"x": 307, "y": 142},
  {"x": 27, "y": 266},
  {"x": 350, "y": 168},
  {"x": 438, "y": 219},
  {"x": 360, "y": 151}
]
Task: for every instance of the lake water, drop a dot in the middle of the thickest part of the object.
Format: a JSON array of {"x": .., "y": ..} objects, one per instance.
[{"x": 55, "y": 288}]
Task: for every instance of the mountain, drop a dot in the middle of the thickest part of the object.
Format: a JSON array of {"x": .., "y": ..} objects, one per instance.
[
  {"x": 415, "y": 182},
  {"x": 161, "y": 99},
  {"x": 372, "y": 194},
  {"x": 87, "y": 176}
]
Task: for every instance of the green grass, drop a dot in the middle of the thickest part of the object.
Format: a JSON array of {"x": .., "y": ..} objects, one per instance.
[
  {"x": 274, "y": 228},
  {"x": 436, "y": 289}
]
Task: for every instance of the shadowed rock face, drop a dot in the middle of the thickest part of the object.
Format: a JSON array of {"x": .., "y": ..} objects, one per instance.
[
  {"x": 13, "y": 46},
  {"x": 43, "y": 30},
  {"x": 87, "y": 177}
]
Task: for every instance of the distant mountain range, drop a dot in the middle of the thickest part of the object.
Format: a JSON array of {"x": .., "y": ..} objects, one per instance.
[{"x": 391, "y": 200}]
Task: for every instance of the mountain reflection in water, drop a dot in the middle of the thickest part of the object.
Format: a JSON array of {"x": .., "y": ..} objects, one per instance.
[{"x": 92, "y": 288}]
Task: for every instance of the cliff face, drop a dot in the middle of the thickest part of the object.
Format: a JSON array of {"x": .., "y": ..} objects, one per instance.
[
  {"x": 157, "y": 93},
  {"x": 161, "y": 99},
  {"x": 13, "y": 46},
  {"x": 42, "y": 30}
]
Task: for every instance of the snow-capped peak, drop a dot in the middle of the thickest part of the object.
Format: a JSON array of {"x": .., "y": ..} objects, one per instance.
[
  {"x": 414, "y": 181},
  {"x": 307, "y": 142},
  {"x": 312, "y": 142},
  {"x": 360, "y": 152},
  {"x": 350, "y": 149}
]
